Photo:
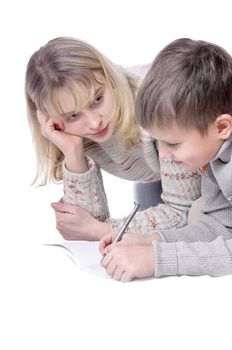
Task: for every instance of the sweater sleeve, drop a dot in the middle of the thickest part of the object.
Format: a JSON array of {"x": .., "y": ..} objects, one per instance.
[
  {"x": 179, "y": 189},
  {"x": 205, "y": 229},
  {"x": 195, "y": 259},
  {"x": 86, "y": 190}
]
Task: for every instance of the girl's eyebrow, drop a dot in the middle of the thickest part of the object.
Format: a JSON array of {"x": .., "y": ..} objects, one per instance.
[
  {"x": 98, "y": 90},
  {"x": 68, "y": 114}
]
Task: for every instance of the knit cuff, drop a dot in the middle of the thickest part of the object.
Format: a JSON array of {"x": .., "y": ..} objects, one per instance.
[
  {"x": 166, "y": 262},
  {"x": 83, "y": 177}
]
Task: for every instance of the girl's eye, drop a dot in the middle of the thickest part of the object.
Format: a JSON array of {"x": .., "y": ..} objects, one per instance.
[
  {"x": 97, "y": 100},
  {"x": 73, "y": 117}
]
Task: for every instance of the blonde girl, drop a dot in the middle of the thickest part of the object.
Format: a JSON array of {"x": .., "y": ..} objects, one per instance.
[{"x": 82, "y": 118}]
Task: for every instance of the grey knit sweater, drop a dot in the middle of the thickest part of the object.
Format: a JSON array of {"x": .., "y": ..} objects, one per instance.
[{"x": 204, "y": 247}]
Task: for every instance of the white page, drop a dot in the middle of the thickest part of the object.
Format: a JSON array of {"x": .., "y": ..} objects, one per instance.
[{"x": 84, "y": 254}]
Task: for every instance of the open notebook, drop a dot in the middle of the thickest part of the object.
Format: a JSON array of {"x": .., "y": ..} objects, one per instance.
[{"x": 84, "y": 254}]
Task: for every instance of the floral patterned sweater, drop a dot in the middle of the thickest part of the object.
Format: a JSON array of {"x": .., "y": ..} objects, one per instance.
[{"x": 140, "y": 163}]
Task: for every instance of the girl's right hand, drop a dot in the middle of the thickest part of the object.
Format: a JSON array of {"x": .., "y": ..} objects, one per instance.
[
  {"x": 70, "y": 145},
  {"x": 53, "y": 130}
]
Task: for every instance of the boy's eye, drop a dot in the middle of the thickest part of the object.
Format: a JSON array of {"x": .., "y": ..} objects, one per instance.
[{"x": 172, "y": 145}]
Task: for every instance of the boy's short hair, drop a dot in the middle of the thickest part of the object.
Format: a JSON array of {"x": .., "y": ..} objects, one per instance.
[{"x": 189, "y": 81}]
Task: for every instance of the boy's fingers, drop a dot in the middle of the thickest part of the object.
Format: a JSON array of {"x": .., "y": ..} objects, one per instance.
[
  {"x": 106, "y": 260},
  {"x": 108, "y": 248},
  {"x": 102, "y": 246}
]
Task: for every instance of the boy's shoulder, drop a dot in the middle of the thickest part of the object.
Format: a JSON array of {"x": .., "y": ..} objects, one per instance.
[{"x": 222, "y": 169}]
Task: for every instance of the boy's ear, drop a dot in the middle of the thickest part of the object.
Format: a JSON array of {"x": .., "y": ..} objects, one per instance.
[{"x": 223, "y": 125}]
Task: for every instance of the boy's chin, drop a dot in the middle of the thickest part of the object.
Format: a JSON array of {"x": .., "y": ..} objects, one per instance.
[{"x": 189, "y": 167}]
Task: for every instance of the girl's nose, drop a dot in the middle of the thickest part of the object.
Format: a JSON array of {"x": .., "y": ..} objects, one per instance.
[{"x": 94, "y": 121}]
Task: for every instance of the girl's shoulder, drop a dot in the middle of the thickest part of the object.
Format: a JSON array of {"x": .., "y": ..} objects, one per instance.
[
  {"x": 135, "y": 75},
  {"x": 145, "y": 136},
  {"x": 138, "y": 71}
]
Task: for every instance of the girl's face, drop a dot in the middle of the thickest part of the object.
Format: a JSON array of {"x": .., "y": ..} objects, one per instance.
[{"x": 95, "y": 121}]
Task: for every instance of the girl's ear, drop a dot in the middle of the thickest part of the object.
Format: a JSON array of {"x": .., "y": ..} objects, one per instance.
[{"x": 223, "y": 125}]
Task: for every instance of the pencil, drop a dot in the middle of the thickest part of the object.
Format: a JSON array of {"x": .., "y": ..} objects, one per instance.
[{"x": 125, "y": 225}]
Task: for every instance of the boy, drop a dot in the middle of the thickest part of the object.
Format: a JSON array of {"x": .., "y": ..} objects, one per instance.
[{"x": 185, "y": 102}]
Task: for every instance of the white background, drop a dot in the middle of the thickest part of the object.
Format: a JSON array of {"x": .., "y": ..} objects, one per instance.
[{"x": 46, "y": 303}]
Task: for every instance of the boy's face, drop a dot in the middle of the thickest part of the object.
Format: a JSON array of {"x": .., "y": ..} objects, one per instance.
[{"x": 187, "y": 147}]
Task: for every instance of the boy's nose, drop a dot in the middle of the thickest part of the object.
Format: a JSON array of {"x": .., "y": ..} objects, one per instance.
[{"x": 164, "y": 153}]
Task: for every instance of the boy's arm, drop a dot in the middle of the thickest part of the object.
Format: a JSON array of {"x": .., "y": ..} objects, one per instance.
[
  {"x": 195, "y": 259},
  {"x": 206, "y": 229},
  {"x": 215, "y": 220}
]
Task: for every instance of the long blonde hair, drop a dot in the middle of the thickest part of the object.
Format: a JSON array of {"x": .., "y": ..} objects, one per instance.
[{"x": 68, "y": 62}]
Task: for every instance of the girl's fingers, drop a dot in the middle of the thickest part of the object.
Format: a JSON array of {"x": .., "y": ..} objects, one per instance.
[
  {"x": 52, "y": 123},
  {"x": 58, "y": 125},
  {"x": 63, "y": 208}
]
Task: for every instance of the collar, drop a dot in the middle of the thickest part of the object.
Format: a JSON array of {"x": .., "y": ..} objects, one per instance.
[{"x": 225, "y": 151}]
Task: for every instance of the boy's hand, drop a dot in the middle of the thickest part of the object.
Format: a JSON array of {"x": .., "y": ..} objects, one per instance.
[
  {"x": 125, "y": 263},
  {"x": 105, "y": 245},
  {"x": 138, "y": 239}
]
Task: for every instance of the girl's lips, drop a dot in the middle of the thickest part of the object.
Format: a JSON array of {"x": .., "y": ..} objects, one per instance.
[{"x": 101, "y": 132}]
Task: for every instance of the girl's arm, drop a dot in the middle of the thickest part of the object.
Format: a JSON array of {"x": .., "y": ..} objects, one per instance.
[
  {"x": 83, "y": 184},
  {"x": 86, "y": 190},
  {"x": 180, "y": 189}
]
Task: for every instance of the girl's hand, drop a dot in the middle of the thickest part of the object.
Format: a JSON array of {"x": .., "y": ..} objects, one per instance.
[
  {"x": 75, "y": 223},
  {"x": 125, "y": 263},
  {"x": 53, "y": 130},
  {"x": 70, "y": 145}
]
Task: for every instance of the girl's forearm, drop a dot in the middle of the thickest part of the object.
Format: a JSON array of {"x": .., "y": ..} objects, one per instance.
[{"x": 76, "y": 162}]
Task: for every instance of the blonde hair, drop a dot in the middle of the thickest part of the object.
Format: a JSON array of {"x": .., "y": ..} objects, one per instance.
[{"x": 71, "y": 63}]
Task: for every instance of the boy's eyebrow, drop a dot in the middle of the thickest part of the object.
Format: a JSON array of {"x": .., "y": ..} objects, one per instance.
[{"x": 168, "y": 142}]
